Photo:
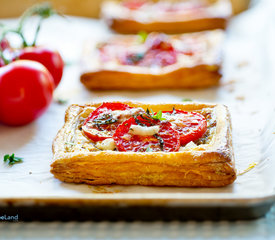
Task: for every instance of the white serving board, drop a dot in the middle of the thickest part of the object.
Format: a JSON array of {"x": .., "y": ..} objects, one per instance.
[{"x": 246, "y": 88}]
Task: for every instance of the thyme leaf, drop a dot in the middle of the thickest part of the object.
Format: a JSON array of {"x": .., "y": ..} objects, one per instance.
[
  {"x": 61, "y": 101},
  {"x": 174, "y": 110},
  {"x": 157, "y": 116},
  {"x": 11, "y": 159},
  {"x": 161, "y": 142},
  {"x": 186, "y": 100},
  {"x": 149, "y": 149},
  {"x": 134, "y": 58},
  {"x": 138, "y": 122},
  {"x": 105, "y": 119},
  {"x": 142, "y": 36}
]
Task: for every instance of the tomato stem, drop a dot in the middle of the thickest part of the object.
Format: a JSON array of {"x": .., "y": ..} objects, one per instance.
[
  {"x": 6, "y": 61},
  {"x": 43, "y": 11},
  {"x": 37, "y": 31}
]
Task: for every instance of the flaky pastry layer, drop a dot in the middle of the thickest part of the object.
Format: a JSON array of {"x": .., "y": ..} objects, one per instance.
[
  {"x": 207, "y": 164},
  {"x": 126, "y": 21},
  {"x": 198, "y": 71}
]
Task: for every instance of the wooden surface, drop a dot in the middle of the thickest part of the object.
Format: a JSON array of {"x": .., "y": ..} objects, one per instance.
[{"x": 85, "y": 8}]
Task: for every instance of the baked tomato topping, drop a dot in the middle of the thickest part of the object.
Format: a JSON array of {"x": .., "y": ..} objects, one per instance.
[
  {"x": 182, "y": 7},
  {"x": 190, "y": 125},
  {"x": 133, "y": 4},
  {"x": 135, "y": 130},
  {"x": 160, "y": 52},
  {"x": 103, "y": 121},
  {"x": 142, "y": 133}
]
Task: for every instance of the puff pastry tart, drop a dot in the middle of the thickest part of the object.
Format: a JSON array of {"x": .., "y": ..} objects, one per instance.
[
  {"x": 131, "y": 143},
  {"x": 156, "y": 61},
  {"x": 132, "y": 16}
]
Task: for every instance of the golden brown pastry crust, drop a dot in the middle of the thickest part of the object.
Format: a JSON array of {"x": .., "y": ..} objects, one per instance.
[
  {"x": 127, "y": 23},
  {"x": 200, "y": 72},
  {"x": 206, "y": 165}
]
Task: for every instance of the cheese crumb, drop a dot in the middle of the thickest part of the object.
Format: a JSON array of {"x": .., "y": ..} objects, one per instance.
[
  {"x": 189, "y": 146},
  {"x": 107, "y": 144},
  {"x": 144, "y": 131},
  {"x": 122, "y": 115}
]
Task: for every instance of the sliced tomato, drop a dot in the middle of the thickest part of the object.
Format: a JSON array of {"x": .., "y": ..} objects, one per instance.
[
  {"x": 167, "y": 139},
  {"x": 152, "y": 57},
  {"x": 183, "y": 7},
  {"x": 159, "y": 52},
  {"x": 159, "y": 58},
  {"x": 159, "y": 42},
  {"x": 133, "y": 4},
  {"x": 190, "y": 125},
  {"x": 100, "y": 124}
]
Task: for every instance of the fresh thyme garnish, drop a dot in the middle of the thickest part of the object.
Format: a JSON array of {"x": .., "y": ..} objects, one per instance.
[
  {"x": 186, "y": 100},
  {"x": 142, "y": 36},
  {"x": 174, "y": 110},
  {"x": 157, "y": 116},
  {"x": 98, "y": 126},
  {"x": 134, "y": 58},
  {"x": 61, "y": 101},
  {"x": 11, "y": 159},
  {"x": 138, "y": 122},
  {"x": 148, "y": 149},
  {"x": 148, "y": 117},
  {"x": 161, "y": 142},
  {"x": 105, "y": 119}
]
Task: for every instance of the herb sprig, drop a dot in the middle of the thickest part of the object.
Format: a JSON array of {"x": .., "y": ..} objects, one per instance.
[
  {"x": 142, "y": 36},
  {"x": 186, "y": 100},
  {"x": 149, "y": 149},
  {"x": 11, "y": 159},
  {"x": 161, "y": 142},
  {"x": 157, "y": 116},
  {"x": 105, "y": 119},
  {"x": 61, "y": 101},
  {"x": 147, "y": 118},
  {"x": 40, "y": 10}
]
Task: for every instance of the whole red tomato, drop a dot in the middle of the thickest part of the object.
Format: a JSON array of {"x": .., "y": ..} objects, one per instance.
[
  {"x": 26, "y": 90},
  {"x": 49, "y": 58}
]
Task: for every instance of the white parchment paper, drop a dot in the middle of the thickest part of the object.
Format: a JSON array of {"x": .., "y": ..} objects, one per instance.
[{"x": 247, "y": 89}]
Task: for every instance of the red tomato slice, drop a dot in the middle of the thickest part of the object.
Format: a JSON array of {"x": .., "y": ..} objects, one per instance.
[
  {"x": 94, "y": 127},
  {"x": 159, "y": 58},
  {"x": 183, "y": 7},
  {"x": 167, "y": 139},
  {"x": 133, "y": 4},
  {"x": 160, "y": 52},
  {"x": 190, "y": 125},
  {"x": 153, "y": 57},
  {"x": 159, "y": 42}
]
